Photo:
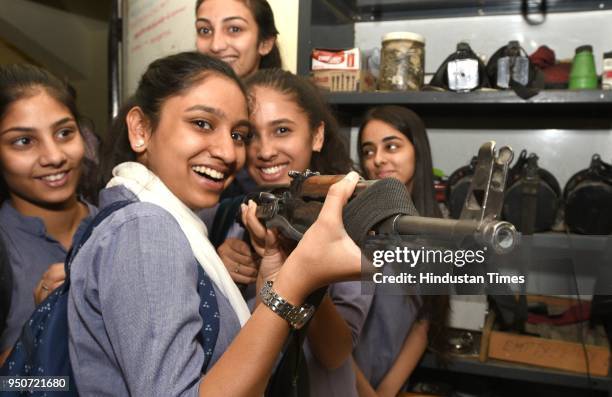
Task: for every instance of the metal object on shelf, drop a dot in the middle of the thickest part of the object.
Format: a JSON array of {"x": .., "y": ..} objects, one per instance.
[{"x": 461, "y": 342}]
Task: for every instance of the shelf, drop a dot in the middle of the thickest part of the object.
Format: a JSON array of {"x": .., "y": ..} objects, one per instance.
[
  {"x": 547, "y": 97},
  {"x": 560, "y": 109},
  {"x": 501, "y": 369}
]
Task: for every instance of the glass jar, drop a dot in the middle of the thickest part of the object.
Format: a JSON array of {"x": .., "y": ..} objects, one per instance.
[{"x": 402, "y": 66}]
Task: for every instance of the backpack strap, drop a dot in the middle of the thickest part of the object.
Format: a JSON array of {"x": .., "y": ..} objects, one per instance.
[{"x": 100, "y": 216}]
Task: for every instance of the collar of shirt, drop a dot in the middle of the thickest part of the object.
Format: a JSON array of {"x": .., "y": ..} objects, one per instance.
[{"x": 11, "y": 218}]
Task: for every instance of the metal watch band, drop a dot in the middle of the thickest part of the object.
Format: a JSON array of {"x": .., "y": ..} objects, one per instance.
[{"x": 296, "y": 316}]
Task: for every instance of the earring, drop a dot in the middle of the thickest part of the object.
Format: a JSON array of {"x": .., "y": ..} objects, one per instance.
[{"x": 139, "y": 143}]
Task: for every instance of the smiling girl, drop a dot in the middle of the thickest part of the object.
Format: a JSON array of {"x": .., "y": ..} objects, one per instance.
[
  {"x": 41, "y": 160},
  {"x": 393, "y": 144},
  {"x": 241, "y": 33},
  {"x": 152, "y": 308},
  {"x": 295, "y": 130}
]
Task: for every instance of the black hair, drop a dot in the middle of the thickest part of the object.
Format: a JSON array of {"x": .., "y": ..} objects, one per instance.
[
  {"x": 434, "y": 308},
  {"x": 164, "y": 78},
  {"x": 333, "y": 157},
  {"x": 264, "y": 17},
  {"x": 22, "y": 81},
  {"x": 412, "y": 127}
]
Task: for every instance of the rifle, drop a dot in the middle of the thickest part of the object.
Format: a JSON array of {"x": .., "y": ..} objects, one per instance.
[{"x": 293, "y": 208}]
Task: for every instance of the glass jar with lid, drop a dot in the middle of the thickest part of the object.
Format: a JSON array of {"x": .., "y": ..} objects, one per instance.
[{"x": 402, "y": 66}]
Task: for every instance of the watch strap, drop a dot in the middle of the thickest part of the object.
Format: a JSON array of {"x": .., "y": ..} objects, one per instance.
[{"x": 296, "y": 316}]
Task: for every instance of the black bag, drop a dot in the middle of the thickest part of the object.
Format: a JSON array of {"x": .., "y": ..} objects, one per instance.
[
  {"x": 42, "y": 347},
  {"x": 588, "y": 199},
  {"x": 518, "y": 72},
  {"x": 464, "y": 52},
  {"x": 458, "y": 186},
  {"x": 532, "y": 198}
]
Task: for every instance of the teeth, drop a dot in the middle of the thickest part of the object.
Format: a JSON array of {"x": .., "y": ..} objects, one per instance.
[
  {"x": 54, "y": 177},
  {"x": 272, "y": 170},
  {"x": 200, "y": 169}
]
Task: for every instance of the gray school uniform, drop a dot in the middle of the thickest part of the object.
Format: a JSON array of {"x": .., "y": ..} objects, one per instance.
[
  {"x": 208, "y": 217},
  {"x": 30, "y": 252},
  {"x": 353, "y": 307},
  {"x": 388, "y": 323},
  {"x": 133, "y": 307}
]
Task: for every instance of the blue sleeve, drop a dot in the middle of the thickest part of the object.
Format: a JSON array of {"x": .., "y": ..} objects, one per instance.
[
  {"x": 6, "y": 287},
  {"x": 149, "y": 303},
  {"x": 352, "y": 305}
]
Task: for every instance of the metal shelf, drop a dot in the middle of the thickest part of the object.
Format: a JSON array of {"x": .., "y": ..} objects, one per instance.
[
  {"x": 562, "y": 109},
  {"x": 501, "y": 369},
  {"x": 596, "y": 98}
]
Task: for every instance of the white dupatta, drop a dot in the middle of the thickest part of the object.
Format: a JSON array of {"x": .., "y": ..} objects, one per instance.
[{"x": 150, "y": 189}]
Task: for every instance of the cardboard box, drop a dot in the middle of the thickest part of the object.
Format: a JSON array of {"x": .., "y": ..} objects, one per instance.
[
  {"x": 544, "y": 352},
  {"x": 337, "y": 80},
  {"x": 549, "y": 353},
  {"x": 337, "y": 70}
]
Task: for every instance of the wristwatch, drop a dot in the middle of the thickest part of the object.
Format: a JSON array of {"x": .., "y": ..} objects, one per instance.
[{"x": 296, "y": 316}]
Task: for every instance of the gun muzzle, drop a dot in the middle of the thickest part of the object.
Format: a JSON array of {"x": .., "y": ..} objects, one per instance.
[{"x": 501, "y": 236}]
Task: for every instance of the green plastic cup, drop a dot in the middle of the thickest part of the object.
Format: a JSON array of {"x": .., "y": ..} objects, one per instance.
[{"x": 583, "y": 75}]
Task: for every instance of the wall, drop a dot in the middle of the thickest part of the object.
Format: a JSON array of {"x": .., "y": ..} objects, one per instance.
[
  {"x": 153, "y": 29},
  {"x": 10, "y": 54},
  {"x": 286, "y": 20},
  {"x": 71, "y": 46}
]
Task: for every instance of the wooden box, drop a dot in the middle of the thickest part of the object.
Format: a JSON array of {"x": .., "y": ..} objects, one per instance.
[{"x": 544, "y": 352}]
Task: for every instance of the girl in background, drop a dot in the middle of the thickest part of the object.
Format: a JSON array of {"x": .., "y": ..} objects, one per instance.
[
  {"x": 241, "y": 33},
  {"x": 41, "y": 175},
  {"x": 393, "y": 144},
  {"x": 134, "y": 284}
]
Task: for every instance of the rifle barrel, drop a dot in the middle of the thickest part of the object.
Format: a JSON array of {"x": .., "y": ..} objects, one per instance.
[{"x": 499, "y": 235}]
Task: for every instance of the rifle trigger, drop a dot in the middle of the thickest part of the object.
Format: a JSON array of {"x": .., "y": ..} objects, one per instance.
[
  {"x": 285, "y": 227},
  {"x": 267, "y": 204}
]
